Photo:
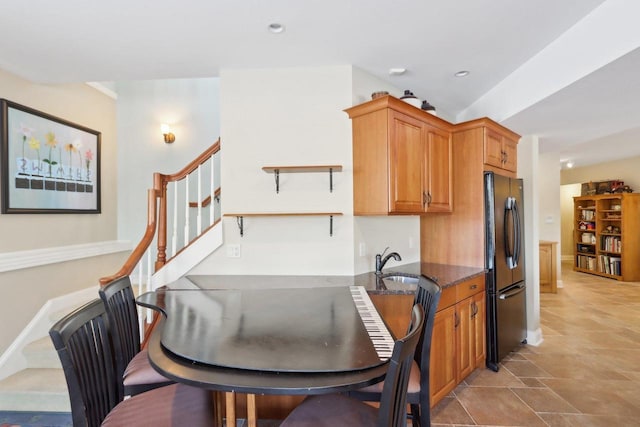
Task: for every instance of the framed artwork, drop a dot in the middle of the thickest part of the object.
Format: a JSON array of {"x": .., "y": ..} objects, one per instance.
[{"x": 47, "y": 164}]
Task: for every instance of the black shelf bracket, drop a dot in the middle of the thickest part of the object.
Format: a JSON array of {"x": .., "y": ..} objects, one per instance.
[
  {"x": 276, "y": 174},
  {"x": 330, "y": 225},
  {"x": 240, "y": 221},
  {"x": 330, "y": 180}
]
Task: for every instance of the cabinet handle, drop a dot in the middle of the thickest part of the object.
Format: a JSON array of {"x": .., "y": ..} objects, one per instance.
[
  {"x": 473, "y": 286},
  {"x": 474, "y": 309},
  {"x": 457, "y": 319},
  {"x": 424, "y": 199}
]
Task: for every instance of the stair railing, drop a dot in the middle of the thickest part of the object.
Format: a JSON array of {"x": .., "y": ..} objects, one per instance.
[{"x": 175, "y": 189}]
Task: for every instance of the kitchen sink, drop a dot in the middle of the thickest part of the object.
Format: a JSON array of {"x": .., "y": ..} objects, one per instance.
[{"x": 400, "y": 279}]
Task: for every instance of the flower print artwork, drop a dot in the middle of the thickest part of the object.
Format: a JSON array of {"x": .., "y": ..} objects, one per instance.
[
  {"x": 25, "y": 132},
  {"x": 88, "y": 156},
  {"x": 35, "y": 145},
  {"x": 70, "y": 148},
  {"x": 51, "y": 143},
  {"x": 47, "y": 164}
]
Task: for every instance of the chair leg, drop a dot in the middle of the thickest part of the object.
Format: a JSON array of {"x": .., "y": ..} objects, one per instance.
[
  {"x": 231, "y": 408},
  {"x": 218, "y": 404},
  {"x": 251, "y": 410},
  {"x": 416, "y": 420}
]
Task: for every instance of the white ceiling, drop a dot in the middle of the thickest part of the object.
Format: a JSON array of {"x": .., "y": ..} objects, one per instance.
[{"x": 563, "y": 70}]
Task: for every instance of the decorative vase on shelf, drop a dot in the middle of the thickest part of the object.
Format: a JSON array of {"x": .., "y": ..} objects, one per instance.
[
  {"x": 428, "y": 107},
  {"x": 411, "y": 99}
]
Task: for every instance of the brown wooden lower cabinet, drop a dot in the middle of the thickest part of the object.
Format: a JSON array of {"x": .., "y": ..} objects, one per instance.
[
  {"x": 457, "y": 345},
  {"x": 458, "y": 341}
]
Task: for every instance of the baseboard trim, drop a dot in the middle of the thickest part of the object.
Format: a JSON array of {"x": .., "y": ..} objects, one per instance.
[
  {"x": 10, "y": 261},
  {"x": 534, "y": 338}
]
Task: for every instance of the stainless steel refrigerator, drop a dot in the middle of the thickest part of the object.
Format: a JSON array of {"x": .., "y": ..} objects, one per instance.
[{"x": 505, "y": 284}]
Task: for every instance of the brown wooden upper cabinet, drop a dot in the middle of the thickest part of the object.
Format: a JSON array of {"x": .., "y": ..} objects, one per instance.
[
  {"x": 500, "y": 151},
  {"x": 401, "y": 159}
]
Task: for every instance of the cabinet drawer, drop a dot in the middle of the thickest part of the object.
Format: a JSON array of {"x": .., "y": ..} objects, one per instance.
[
  {"x": 469, "y": 288},
  {"x": 447, "y": 298}
]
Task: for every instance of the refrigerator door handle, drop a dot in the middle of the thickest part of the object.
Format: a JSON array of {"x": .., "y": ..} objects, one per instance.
[
  {"x": 510, "y": 232},
  {"x": 516, "y": 229},
  {"x": 513, "y": 293}
]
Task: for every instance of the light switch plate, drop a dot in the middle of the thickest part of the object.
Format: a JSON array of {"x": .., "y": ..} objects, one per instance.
[{"x": 233, "y": 251}]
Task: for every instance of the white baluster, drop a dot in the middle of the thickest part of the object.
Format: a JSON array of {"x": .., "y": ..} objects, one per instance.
[
  {"x": 174, "y": 233},
  {"x": 199, "y": 217},
  {"x": 149, "y": 314},
  {"x": 141, "y": 311},
  {"x": 213, "y": 191},
  {"x": 186, "y": 216}
]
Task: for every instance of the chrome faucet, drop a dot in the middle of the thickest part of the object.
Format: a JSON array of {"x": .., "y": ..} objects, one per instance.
[{"x": 380, "y": 262}]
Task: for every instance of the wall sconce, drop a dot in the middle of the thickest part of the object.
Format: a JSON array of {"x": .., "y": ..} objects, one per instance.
[{"x": 166, "y": 132}]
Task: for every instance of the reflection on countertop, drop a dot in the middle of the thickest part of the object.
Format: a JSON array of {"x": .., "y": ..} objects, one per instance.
[{"x": 443, "y": 274}]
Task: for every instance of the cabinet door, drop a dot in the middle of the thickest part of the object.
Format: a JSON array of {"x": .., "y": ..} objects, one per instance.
[
  {"x": 442, "y": 369},
  {"x": 438, "y": 171},
  {"x": 465, "y": 339},
  {"x": 545, "y": 267},
  {"x": 406, "y": 172},
  {"x": 510, "y": 149},
  {"x": 478, "y": 316},
  {"x": 493, "y": 152}
]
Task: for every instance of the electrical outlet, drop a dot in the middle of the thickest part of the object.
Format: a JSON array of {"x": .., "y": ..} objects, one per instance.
[
  {"x": 233, "y": 251},
  {"x": 363, "y": 249}
]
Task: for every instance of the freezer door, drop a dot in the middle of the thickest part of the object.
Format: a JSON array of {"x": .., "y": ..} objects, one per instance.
[{"x": 511, "y": 319}]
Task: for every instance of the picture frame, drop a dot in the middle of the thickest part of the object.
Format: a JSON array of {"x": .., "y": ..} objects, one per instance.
[{"x": 47, "y": 164}]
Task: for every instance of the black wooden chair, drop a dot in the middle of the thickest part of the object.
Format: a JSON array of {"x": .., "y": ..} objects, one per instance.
[
  {"x": 83, "y": 343},
  {"x": 132, "y": 364},
  {"x": 341, "y": 410},
  {"x": 418, "y": 393}
]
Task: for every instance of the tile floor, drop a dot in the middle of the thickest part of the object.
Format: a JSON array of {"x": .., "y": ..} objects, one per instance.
[{"x": 586, "y": 373}]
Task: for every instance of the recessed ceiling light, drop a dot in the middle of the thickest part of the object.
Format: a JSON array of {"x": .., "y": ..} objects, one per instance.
[
  {"x": 276, "y": 28},
  {"x": 569, "y": 165},
  {"x": 462, "y": 73},
  {"x": 397, "y": 71}
]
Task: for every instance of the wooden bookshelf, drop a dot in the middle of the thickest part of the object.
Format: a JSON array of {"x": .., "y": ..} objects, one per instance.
[{"x": 607, "y": 235}]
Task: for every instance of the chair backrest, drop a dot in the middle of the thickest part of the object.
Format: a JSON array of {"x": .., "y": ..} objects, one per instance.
[
  {"x": 393, "y": 400},
  {"x": 120, "y": 305},
  {"x": 428, "y": 296},
  {"x": 84, "y": 346}
]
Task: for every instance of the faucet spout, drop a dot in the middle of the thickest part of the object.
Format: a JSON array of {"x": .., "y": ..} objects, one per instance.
[{"x": 380, "y": 262}]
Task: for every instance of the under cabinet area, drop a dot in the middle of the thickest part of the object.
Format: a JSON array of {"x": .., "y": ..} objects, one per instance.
[{"x": 401, "y": 159}]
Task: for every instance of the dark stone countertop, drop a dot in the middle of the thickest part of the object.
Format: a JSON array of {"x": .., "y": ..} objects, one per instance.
[{"x": 443, "y": 274}]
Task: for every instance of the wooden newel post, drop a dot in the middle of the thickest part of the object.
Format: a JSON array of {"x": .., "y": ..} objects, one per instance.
[{"x": 160, "y": 185}]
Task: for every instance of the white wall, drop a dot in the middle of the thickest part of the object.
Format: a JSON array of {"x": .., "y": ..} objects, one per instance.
[
  {"x": 190, "y": 107},
  {"x": 25, "y": 290},
  {"x": 550, "y": 217},
  {"x": 567, "y": 193},
  {"x": 529, "y": 171},
  {"x": 294, "y": 116}
]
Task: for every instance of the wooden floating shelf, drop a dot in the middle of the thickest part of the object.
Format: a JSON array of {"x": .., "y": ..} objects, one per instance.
[
  {"x": 276, "y": 170},
  {"x": 298, "y": 169},
  {"x": 240, "y": 217}
]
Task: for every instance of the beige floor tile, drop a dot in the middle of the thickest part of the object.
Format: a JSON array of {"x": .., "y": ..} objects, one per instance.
[
  {"x": 544, "y": 400},
  {"x": 450, "y": 411},
  {"x": 586, "y": 372},
  {"x": 593, "y": 397},
  {"x": 497, "y": 406}
]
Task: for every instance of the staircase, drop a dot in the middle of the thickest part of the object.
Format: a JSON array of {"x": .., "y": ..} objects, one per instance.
[{"x": 40, "y": 385}]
